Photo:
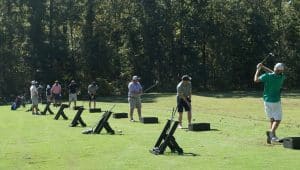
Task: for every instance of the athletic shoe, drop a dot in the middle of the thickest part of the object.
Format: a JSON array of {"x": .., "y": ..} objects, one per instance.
[
  {"x": 274, "y": 140},
  {"x": 179, "y": 127},
  {"x": 132, "y": 120},
  {"x": 268, "y": 137}
]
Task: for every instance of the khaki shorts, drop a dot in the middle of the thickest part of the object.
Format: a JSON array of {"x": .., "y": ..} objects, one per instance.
[
  {"x": 72, "y": 97},
  {"x": 135, "y": 102},
  {"x": 35, "y": 101},
  {"x": 273, "y": 110}
]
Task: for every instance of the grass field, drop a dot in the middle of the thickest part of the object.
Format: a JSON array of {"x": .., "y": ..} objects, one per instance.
[{"x": 237, "y": 140}]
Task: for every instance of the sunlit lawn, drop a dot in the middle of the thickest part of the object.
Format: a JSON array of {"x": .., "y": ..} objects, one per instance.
[{"x": 237, "y": 140}]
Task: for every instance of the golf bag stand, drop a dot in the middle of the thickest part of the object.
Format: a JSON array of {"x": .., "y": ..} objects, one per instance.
[
  {"x": 104, "y": 124},
  {"x": 61, "y": 112},
  {"x": 101, "y": 124},
  {"x": 77, "y": 119},
  {"x": 166, "y": 139},
  {"x": 47, "y": 108}
]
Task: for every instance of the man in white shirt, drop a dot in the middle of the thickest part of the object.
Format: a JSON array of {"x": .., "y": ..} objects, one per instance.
[{"x": 34, "y": 98}]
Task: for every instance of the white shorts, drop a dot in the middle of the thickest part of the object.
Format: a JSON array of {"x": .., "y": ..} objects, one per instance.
[
  {"x": 135, "y": 102},
  {"x": 273, "y": 110},
  {"x": 72, "y": 97}
]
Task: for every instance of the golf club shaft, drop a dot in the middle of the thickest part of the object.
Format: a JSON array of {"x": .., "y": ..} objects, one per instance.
[
  {"x": 150, "y": 87},
  {"x": 270, "y": 54},
  {"x": 264, "y": 59}
]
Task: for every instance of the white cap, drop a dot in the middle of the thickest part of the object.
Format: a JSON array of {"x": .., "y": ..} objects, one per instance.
[
  {"x": 33, "y": 82},
  {"x": 135, "y": 78},
  {"x": 279, "y": 66}
]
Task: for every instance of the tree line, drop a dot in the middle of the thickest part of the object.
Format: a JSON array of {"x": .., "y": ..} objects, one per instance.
[{"x": 218, "y": 43}]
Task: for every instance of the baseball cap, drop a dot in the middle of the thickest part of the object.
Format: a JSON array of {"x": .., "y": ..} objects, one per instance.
[
  {"x": 186, "y": 77},
  {"x": 279, "y": 66},
  {"x": 33, "y": 82},
  {"x": 135, "y": 78}
]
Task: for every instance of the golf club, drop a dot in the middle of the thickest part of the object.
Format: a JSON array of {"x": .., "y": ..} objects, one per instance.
[
  {"x": 173, "y": 113},
  {"x": 156, "y": 83},
  {"x": 270, "y": 54},
  {"x": 264, "y": 67}
]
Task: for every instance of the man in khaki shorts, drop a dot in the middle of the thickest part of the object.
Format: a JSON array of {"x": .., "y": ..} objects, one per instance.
[
  {"x": 272, "y": 88},
  {"x": 34, "y": 98},
  {"x": 72, "y": 93},
  {"x": 135, "y": 91}
]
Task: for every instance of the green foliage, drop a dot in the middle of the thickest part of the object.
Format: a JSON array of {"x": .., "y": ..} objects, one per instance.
[{"x": 217, "y": 42}]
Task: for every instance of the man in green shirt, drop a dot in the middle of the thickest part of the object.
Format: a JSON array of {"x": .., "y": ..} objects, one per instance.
[{"x": 273, "y": 81}]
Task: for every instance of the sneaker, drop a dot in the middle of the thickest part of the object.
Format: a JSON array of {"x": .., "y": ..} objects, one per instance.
[
  {"x": 132, "y": 120},
  {"x": 179, "y": 127},
  {"x": 268, "y": 137},
  {"x": 274, "y": 140}
]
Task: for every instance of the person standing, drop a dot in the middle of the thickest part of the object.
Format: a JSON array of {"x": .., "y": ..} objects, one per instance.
[
  {"x": 184, "y": 96},
  {"x": 48, "y": 98},
  {"x": 135, "y": 91},
  {"x": 48, "y": 93},
  {"x": 273, "y": 82},
  {"x": 40, "y": 91},
  {"x": 34, "y": 98},
  {"x": 72, "y": 93},
  {"x": 56, "y": 92},
  {"x": 92, "y": 90}
]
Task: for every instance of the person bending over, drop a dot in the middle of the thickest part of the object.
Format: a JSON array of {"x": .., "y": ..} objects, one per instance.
[{"x": 184, "y": 97}]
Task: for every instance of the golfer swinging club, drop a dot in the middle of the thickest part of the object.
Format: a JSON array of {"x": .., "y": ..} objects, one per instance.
[
  {"x": 184, "y": 96},
  {"x": 272, "y": 86}
]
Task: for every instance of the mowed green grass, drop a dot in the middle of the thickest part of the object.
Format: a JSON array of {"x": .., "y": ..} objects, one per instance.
[{"x": 237, "y": 140}]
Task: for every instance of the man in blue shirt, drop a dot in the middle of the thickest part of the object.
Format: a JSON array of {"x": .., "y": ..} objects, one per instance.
[{"x": 135, "y": 91}]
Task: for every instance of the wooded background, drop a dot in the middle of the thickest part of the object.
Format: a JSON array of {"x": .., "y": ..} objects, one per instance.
[{"x": 217, "y": 42}]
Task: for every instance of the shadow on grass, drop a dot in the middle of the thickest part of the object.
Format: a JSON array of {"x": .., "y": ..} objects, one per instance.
[
  {"x": 151, "y": 97},
  {"x": 176, "y": 154},
  {"x": 146, "y": 98},
  {"x": 233, "y": 94},
  {"x": 241, "y": 94},
  {"x": 187, "y": 130}
]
